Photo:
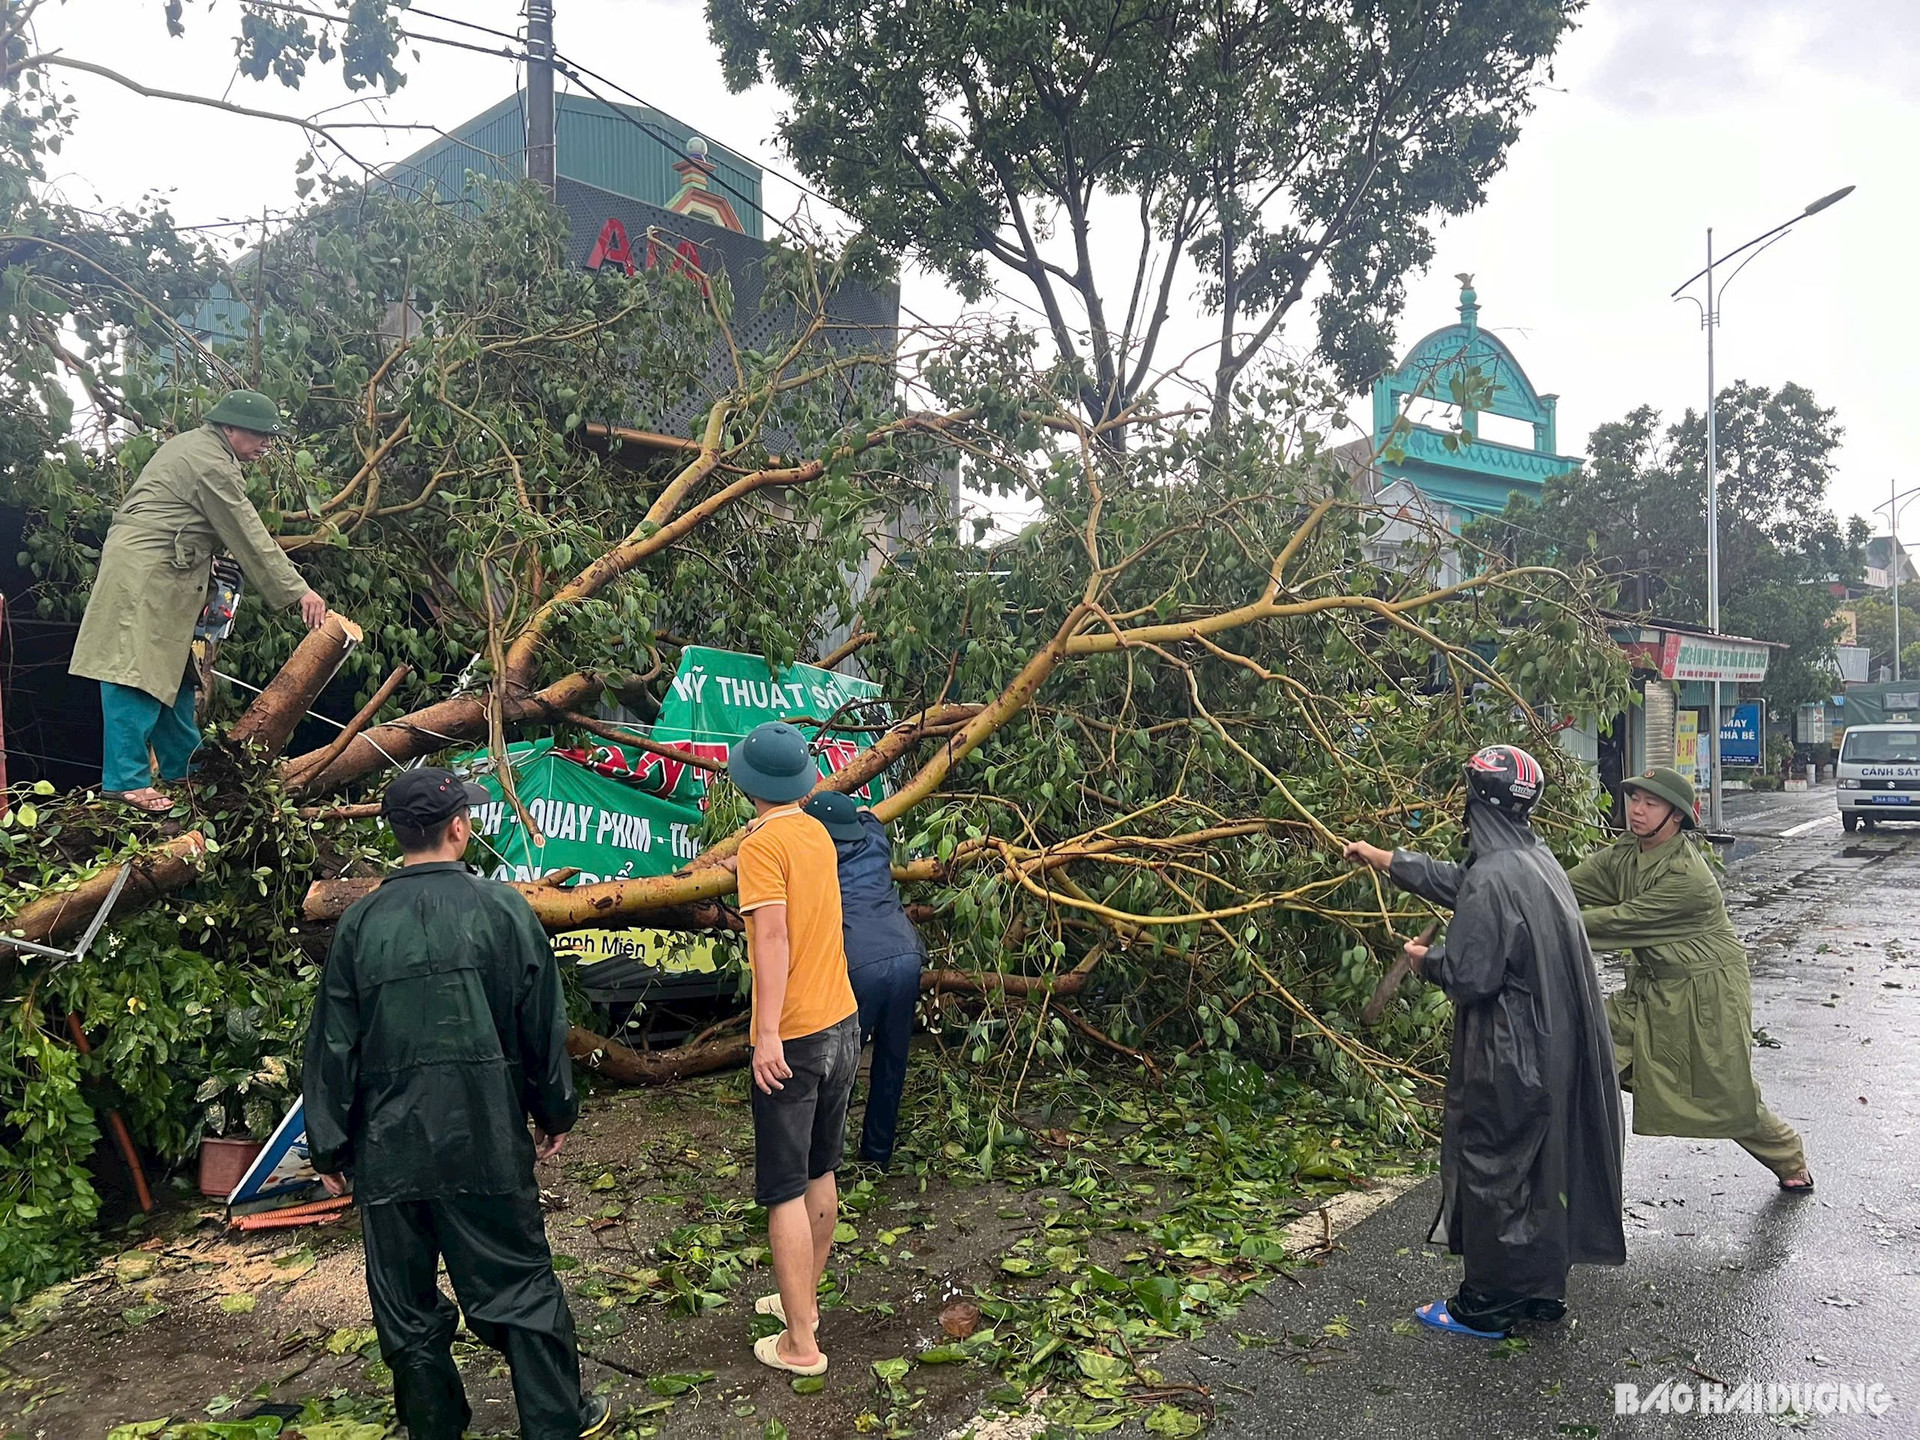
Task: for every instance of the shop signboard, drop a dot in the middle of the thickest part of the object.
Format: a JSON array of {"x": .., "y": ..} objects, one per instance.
[
  {"x": 720, "y": 695},
  {"x": 1740, "y": 735},
  {"x": 1686, "y": 744},
  {"x": 605, "y": 828},
  {"x": 1712, "y": 657}
]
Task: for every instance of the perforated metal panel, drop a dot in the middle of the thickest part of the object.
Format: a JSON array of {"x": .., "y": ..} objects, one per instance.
[{"x": 869, "y": 317}]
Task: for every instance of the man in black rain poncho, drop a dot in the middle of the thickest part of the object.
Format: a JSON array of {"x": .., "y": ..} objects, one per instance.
[{"x": 1530, "y": 1151}]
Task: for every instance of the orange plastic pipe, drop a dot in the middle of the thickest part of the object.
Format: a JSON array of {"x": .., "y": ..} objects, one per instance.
[{"x": 116, "y": 1125}]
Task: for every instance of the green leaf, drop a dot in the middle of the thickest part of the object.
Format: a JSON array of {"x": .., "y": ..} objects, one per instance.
[
  {"x": 1166, "y": 1419},
  {"x": 844, "y": 1234},
  {"x": 352, "y": 1338},
  {"x": 942, "y": 1355},
  {"x": 680, "y": 1383},
  {"x": 1096, "y": 1366},
  {"x": 238, "y": 1304},
  {"x": 809, "y": 1384},
  {"x": 1159, "y": 1296},
  {"x": 894, "y": 1370},
  {"x": 143, "y": 1314}
]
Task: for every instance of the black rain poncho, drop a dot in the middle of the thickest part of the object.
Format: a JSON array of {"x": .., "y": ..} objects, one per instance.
[{"x": 1531, "y": 1148}]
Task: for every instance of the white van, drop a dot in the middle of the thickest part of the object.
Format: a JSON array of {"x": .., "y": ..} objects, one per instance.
[{"x": 1878, "y": 774}]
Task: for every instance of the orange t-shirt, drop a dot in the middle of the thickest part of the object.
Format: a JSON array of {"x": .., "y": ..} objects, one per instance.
[{"x": 788, "y": 859}]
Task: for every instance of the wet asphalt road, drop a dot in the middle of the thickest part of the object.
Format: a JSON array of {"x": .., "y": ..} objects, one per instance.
[{"x": 1726, "y": 1280}]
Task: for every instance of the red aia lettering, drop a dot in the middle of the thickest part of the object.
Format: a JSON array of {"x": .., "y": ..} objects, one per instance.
[
  {"x": 613, "y": 245},
  {"x": 686, "y": 260}
]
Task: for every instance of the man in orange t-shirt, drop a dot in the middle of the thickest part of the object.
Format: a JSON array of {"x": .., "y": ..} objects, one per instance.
[{"x": 806, "y": 1031}]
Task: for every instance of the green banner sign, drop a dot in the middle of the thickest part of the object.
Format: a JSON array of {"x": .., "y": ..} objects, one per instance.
[
  {"x": 720, "y": 695},
  {"x": 608, "y": 830}
]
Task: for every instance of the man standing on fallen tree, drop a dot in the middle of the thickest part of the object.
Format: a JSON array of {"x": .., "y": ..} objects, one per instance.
[
  {"x": 438, "y": 1031},
  {"x": 1530, "y": 1151},
  {"x": 136, "y": 637},
  {"x": 1683, "y": 1026}
]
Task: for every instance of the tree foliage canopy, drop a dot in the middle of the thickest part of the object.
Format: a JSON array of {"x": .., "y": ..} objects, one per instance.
[
  {"x": 1262, "y": 142},
  {"x": 1637, "y": 510}
]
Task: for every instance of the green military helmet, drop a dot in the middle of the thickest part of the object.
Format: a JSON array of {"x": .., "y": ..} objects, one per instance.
[
  {"x": 247, "y": 410},
  {"x": 1670, "y": 786}
]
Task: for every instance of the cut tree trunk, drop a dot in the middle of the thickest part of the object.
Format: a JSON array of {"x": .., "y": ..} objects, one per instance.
[
  {"x": 626, "y": 1066},
  {"x": 457, "y": 721},
  {"x": 271, "y": 719},
  {"x": 327, "y": 901},
  {"x": 53, "y": 918}
]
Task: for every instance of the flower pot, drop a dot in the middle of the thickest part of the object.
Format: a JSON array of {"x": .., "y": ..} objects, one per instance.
[{"x": 223, "y": 1162}]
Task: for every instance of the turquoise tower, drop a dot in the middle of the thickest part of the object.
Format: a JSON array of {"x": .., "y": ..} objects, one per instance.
[{"x": 1472, "y": 478}]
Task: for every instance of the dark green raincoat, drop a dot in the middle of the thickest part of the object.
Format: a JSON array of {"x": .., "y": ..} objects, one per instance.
[
  {"x": 190, "y": 501},
  {"x": 438, "y": 1030},
  {"x": 1683, "y": 1026}
]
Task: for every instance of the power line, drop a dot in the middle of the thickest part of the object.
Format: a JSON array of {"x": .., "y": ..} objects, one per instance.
[{"x": 284, "y": 8}]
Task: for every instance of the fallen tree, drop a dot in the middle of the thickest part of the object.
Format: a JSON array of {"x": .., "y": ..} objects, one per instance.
[{"x": 1128, "y": 731}]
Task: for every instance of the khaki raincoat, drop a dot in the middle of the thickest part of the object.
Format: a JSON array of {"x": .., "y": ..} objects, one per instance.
[
  {"x": 189, "y": 502},
  {"x": 1683, "y": 1026}
]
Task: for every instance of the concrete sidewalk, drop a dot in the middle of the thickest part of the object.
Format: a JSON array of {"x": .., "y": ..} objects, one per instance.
[{"x": 1727, "y": 1279}]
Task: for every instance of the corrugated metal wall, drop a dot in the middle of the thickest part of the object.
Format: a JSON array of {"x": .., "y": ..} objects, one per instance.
[
  {"x": 1659, "y": 713},
  {"x": 629, "y": 150}
]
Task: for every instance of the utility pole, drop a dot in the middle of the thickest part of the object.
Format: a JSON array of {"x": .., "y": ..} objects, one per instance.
[
  {"x": 1896, "y": 558},
  {"x": 1713, "y": 547},
  {"x": 540, "y": 116}
]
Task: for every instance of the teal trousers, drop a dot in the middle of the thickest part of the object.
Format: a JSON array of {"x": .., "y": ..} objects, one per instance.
[{"x": 136, "y": 722}]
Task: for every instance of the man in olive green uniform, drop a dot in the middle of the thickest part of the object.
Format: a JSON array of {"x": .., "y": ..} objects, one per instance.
[
  {"x": 1683, "y": 1026},
  {"x": 137, "y": 635},
  {"x": 438, "y": 1030}
]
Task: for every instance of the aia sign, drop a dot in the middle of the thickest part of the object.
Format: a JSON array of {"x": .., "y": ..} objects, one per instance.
[{"x": 614, "y": 248}]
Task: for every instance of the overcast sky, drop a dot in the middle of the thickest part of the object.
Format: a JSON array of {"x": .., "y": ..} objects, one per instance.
[{"x": 1664, "y": 117}]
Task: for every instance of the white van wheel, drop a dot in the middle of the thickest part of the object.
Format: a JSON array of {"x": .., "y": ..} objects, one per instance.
[{"x": 1848, "y": 820}]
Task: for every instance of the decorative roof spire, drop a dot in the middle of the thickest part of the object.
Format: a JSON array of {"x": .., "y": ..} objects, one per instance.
[
  {"x": 1469, "y": 302},
  {"x": 697, "y": 197}
]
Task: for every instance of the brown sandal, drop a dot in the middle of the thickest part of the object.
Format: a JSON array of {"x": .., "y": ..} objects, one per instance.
[{"x": 147, "y": 800}]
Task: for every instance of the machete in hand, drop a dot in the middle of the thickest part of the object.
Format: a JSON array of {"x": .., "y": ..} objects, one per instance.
[{"x": 1390, "y": 983}]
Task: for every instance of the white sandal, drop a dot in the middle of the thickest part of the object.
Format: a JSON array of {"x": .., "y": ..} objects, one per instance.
[
  {"x": 767, "y": 1351},
  {"x": 771, "y": 1305}
]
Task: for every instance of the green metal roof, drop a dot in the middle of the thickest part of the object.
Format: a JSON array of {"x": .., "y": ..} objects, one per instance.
[{"x": 625, "y": 149}]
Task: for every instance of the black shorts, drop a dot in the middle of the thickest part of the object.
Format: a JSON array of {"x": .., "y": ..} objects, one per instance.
[{"x": 800, "y": 1129}]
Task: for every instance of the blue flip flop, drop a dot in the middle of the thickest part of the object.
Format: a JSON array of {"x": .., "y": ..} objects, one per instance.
[{"x": 1435, "y": 1314}]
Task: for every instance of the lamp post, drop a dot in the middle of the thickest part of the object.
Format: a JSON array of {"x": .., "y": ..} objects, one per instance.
[
  {"x": 1893, "y": 508},
  {"x": 1709, "y": 319}
]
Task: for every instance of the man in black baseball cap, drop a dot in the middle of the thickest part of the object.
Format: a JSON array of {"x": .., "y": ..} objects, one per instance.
[
  {"x": 438, "y": 1031},
  {"x": 425, "y": 799}
]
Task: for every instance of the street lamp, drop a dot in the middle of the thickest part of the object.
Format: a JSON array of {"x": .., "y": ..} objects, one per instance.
[
  {"x": 1709, "y": 318},
  {"x": 1893, "y": 507}
]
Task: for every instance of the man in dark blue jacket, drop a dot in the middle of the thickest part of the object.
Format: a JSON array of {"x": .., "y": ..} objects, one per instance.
[
  {"x": 439, "y": 1029},
  {"x": 884, "y": 956}
]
